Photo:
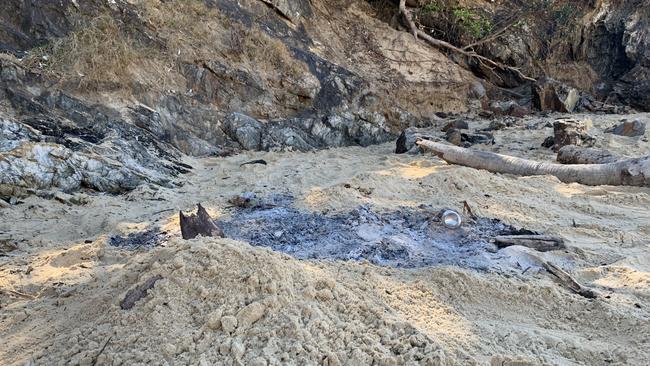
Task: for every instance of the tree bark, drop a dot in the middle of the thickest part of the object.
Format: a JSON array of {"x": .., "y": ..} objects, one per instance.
[{"x": 632, "y": 172}]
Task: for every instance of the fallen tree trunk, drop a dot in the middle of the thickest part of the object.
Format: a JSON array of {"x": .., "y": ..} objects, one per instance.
[
  {"x": 541, "y": 243},
  {"x": 631, "y": 172},
  {"x": 571, "y": 154}
]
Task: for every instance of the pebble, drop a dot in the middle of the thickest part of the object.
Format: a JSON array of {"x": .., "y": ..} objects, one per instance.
[
  {"x": 228, "y": 323},
  {"x": 250, "y": 314},
  {"x": 237, "y": 350},
  {"x": 214, "y": 320}
]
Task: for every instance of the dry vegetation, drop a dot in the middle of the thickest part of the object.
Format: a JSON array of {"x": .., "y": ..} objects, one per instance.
[
  {"x": 194, "y": 32},
  {"x": 102, "y": 54},
  {"x": 99, "y": 55}
]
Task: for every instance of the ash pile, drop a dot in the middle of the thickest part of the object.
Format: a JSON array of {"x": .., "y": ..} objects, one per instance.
[{"x": 405, "y": 237}]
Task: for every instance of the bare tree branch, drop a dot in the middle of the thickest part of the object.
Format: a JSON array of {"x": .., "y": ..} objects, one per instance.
[{"x": 442, "y": 44}]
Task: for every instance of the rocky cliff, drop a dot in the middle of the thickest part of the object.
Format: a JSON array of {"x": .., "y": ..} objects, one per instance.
[{"x": 106, "y": 95}]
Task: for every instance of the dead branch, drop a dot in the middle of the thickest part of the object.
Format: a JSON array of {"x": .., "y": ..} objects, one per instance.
[
  {"x": 138, "y": 292},
  {"x": 631, "y": 172},
  {"x": 541, "y": 243},
  {"x": 101, "y": 351},
  {"x": 442, "y": 44},
  {"x": 17, "y": 293},
  {"x": 468, "y": 210},
  {"x": 568, "y": 281}
]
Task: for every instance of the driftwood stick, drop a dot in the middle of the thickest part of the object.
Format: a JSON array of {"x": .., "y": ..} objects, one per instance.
[
  {"x": 568, "y": 281},
  {"x": 101, "y": 351},
  {"x": 138, "y": 292},
  {"x": 631, "y": 172},
  {"x": 541, "y": 243}
]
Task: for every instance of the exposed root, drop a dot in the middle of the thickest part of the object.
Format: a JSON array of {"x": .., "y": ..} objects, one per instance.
[{"x": 489, "y": 63}]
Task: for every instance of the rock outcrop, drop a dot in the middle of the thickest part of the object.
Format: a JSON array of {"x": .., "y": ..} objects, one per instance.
[
  {"x": 258, "y": 83},
  {"x": 629, "y": 128},
  {"x": 165, "y": 81}
]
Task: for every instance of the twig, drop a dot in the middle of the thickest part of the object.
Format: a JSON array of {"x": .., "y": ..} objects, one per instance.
[
  {"x": 161, "y": 211},
  {"x": 258, "y": 161},
  {"x": 17, "y": 293},
  {"x": 101, "y": 350},
  {"x": 468, "y": 210}
]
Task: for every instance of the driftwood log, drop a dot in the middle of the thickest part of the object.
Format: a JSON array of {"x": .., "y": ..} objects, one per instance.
[
  {"x": 571, "y": 154},
  {"x": 631, "y": 172},
  {"x": 199, "y": 224},
  {"x": 541, "y": 243}
]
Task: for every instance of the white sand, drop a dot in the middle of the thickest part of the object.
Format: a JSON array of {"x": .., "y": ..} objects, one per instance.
[{"x": 59, "y": 296}]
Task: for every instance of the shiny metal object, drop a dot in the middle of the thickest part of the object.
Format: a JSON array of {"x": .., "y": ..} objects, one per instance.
[{"x": 451, "y": 219}]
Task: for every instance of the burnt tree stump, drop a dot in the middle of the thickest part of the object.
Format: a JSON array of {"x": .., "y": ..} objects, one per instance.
[{"x": 199, "y": 224}]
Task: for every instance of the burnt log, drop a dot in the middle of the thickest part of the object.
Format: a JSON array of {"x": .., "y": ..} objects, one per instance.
[
  {"x": 541, "y": 243},
  {"x": 570, "y": 132},
  {"x": 199, "y": 224},
  {"x": 566, "y": 280},
  {"x": 406, "y": 141}
]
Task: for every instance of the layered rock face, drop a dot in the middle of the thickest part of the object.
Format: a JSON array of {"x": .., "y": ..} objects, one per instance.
[
  {"x": 109, "y": 95},
  {"x": 600, "y": 47}
]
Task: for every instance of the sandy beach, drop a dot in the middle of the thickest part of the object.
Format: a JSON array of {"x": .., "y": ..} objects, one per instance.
[{"x": 225, "y": 302}]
